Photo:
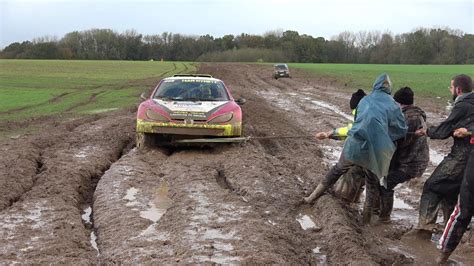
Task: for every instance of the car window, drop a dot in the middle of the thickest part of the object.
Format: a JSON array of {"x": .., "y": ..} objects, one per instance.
[
  {"x": 281, "y": 67},
  {"x": 192, "y": 89}
]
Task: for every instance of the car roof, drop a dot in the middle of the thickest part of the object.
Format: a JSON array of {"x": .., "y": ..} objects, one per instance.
[
  {"x": 192, "y": 76},
  {"x": 281, "y": 65}
]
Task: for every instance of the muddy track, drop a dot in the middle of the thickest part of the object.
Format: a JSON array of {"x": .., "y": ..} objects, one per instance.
[
  {"x": 42, "y": 216},
  {"x": 76, "y": 193}
]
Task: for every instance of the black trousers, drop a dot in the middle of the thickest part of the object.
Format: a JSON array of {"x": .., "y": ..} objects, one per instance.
[
  {"x": 443, "y": 185},
  {"x": 463, "y": 212},
  {"x": 372, "y": 195},
  {"x": 394, "y": 178}
]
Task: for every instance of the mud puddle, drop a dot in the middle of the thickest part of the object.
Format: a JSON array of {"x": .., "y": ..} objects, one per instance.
[{"x": 87, "y": 220}]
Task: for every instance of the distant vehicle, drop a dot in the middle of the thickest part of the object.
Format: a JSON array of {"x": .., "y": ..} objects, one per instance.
[
  {"x": 281, "y": 71},
  {"x": 188, "y": 106}
]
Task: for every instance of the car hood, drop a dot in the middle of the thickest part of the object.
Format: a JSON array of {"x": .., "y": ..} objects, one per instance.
[
  {"x": 188, "y": 106},
  {"x": 185, "y": 109}
]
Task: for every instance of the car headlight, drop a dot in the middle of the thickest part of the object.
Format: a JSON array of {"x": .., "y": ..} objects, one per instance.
[
  {"x": 155, "y": 116},
  {"x": 222, "y": 118}
]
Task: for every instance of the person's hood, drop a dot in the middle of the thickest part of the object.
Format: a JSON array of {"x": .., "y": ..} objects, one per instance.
[{"x": 383, "y": 83}]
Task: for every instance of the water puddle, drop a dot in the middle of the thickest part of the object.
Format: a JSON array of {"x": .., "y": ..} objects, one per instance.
[
  {"x": 218, "y": 259},
  {"x": 282, "y": 101},
  {"x": 217, "y": 234},
  {"x": 449, "y": 106},
  {"x": 159, "y": 205},
  {"x": 84, "y": 152},
  {"x": 130, "y": 196},
  {"x": 305, "y": 221},
  {"x": 332, "y": 108},
  {"x": 86, "y": 217},
  {"x": 435, "y": 157},
  {"x": 93, "y": 242},
  {"x": 321, "y": 259},
  {"x": 399, "y": 203},
  {"x": 332, "y": 153}
]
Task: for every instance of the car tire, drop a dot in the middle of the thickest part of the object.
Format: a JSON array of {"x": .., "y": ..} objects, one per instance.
[{"x": 144, "y": 140}]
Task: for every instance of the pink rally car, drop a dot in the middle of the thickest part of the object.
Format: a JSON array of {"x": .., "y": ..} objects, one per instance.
[{"x": 186, "y": 107}]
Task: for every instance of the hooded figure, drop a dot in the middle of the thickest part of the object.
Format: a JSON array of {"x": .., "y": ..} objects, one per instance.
[{"x": 378, "y": 123}]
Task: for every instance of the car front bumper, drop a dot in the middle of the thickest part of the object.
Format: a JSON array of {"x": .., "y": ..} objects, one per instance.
[{"x": 224, "y": 130}]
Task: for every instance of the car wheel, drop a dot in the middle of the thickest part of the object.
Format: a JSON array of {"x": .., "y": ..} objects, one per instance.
[{"x": 144, "y": 140}]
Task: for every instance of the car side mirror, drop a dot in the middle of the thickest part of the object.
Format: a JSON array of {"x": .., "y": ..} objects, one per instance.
[
  {"x": 240, "y": 101},
  {"x": 143, "y": 96}
]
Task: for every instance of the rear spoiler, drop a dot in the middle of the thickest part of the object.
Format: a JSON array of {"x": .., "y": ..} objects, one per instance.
[{"x": 193, "y": 75}]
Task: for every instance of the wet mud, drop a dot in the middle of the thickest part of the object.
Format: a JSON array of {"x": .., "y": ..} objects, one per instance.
[{"x": 77, "y": 192}]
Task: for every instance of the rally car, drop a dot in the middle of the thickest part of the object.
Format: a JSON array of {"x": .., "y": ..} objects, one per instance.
[{"x": 188, "y": 107}]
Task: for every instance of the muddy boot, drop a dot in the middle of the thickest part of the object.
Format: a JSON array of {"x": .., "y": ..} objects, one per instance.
[
  {"x": 386, "y": 206},
  {"x": 443, "y": 258},
  {"x": 424, "y": 234},
  {"x": 320, "y": 189},
  {"x": 419, "y": 234},
  {"x": 367, "y": 215}
]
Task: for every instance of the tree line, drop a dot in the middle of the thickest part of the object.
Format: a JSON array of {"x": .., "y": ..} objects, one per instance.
[{"x": 421, "y": 46}]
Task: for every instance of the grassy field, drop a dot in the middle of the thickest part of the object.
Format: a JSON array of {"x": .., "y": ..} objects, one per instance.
[
  {"x": 425, "y": 80},
  {"x": 31, "y": 88}
]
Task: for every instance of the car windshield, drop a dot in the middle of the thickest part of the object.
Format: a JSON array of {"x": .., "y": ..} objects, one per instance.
[
  {"x": 281, "y": 67},
  {"x": 191, "y": 90}
]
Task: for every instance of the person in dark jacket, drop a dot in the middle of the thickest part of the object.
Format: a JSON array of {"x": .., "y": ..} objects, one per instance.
[
  {"x": 411, "y": 156},
  {"x": 464, "y": 210},
  {"x": 444, "y": 183}
]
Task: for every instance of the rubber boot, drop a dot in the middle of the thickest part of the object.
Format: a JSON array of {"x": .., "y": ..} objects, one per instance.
[
  {"x": 367, "y": 215},
  {"x": 443, "y": 258},
  {"x": 386, "y": 206},
  {"x": 320, "y": 189}
]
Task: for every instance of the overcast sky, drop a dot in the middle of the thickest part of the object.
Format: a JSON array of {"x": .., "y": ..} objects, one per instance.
[{"x": 22, "y": 20}]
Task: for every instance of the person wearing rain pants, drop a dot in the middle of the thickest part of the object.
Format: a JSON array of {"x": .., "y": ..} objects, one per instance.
[
  {"x": 411, "y": 156},
  {"x": 379, "y": 122},
  {"x": 351, "y": 185},
  {"x": 444, "y": 183},
  {"x": 464, "y": 210}
]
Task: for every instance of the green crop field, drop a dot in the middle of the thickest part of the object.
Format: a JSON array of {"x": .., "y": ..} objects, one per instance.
[
  {"x": 31, "y": 88},
  {"x": 425, "y": 80}
]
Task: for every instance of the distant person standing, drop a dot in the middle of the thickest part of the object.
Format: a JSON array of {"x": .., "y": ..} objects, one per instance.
[
  {"x": 444, "y": 183},
  {"x": 370, "y": 143},
  {"x": 411, "y": 156},
  {"x": 464, "y": 210}
]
